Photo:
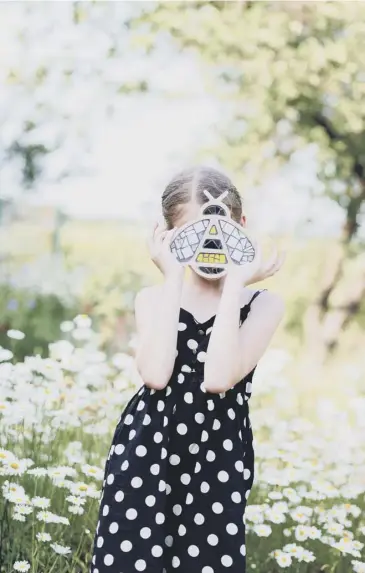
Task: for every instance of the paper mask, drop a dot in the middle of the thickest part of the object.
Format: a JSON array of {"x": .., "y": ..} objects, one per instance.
[{"x": 214, "y": 240}]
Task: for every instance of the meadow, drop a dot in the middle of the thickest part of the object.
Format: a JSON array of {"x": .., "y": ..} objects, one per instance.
[{"x": 58, "y": 412}]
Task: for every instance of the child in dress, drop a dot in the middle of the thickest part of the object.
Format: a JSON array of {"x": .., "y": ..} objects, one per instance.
[{"x": 181, "y": 464}]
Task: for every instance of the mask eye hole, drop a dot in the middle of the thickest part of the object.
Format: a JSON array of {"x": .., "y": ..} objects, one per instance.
[{"x": 214, "y": 210}]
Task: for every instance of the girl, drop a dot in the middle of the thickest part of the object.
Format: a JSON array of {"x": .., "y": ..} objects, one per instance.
[{"x": 181, "y": 463}]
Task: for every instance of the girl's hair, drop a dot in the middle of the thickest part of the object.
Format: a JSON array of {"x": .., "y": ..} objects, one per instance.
[{"x": 190, "y": 184}]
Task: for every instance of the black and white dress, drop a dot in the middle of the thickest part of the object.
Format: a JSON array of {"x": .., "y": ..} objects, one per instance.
[{"x": 179, "y": 472}]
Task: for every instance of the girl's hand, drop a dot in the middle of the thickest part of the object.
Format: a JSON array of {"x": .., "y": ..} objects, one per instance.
[
  {"x": 258, "y": 270},
  {"x": 159, "y": 248}
]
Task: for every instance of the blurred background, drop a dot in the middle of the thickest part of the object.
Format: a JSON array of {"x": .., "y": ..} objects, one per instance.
[{"x": 100, "y": 104}]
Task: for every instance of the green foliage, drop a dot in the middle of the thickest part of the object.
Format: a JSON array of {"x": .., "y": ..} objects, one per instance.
[
  {"x": 37, "y": 316},
  {"x": 291, "y": 75}
]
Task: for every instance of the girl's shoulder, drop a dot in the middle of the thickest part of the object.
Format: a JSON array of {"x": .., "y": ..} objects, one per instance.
[
  {"x": 147, "y": 294},
  {"x": 262, "y": 296}
]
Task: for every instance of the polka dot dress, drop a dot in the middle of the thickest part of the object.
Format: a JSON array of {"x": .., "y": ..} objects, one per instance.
[{"x": 179, "y": 472}]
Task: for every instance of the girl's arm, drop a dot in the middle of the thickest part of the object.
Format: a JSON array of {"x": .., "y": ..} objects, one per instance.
[
  {"x": 233, "y": 351},
  {"x": 157, "y": 311}
]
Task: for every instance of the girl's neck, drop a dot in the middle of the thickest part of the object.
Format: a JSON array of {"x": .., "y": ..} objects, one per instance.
[{"x": 197, "y": 289}]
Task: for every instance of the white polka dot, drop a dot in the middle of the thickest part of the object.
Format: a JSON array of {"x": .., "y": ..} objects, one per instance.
[
  {"x": 193, "y": 550},
  {"x": 185, "y": 368},
  {"x": 95, "y": 570},
  {"x": 100, "y": 541},
  {"x": 150, "y": 500},
  {"x": 140, "y": 565},
  {"x": 163, "y": 453},
  {"x": 181, "y": 326},
  {"x": 160, "y": 518},
  {"x": 247, "y": 493},
  {"x": 145, "y": 532},
  {"x": 231, "y": 413},
  {"x": 207, "y": 569},
  {"x": 212, "y": 539},
  {"x": 160, "y": 405},
  {"x": 124, "y": 465},
  {"x": 105, "y": 509},
  {"x": 141, "y": 405},
  {"x": 239, "y": 466},
  {"x": 168, "y": 390},
  {"x": 198, "y": 467},
  {"x": 239, "y": 399},
  {"x": 146, "y": 420},
  {"x": 119, "y": 496},
  {"x": 199, "y": 417},
  {"x": 201, "y": 356},
  {"x": 108, "y": 559},
  {"x": 169, "y": 540},
  {"x": 228, "y": 445},
  {"x": 131, "y": 513},
  {"x": 203, "y": 388},
  {"x": 232, "y": 528},
  {"x": 189, "y": 499},
  {"x": 192, "y": 344},
  {"x": 217, "y": 507},
  {"x": 175, "y": 561},
  {"x": 210, "y": 456},
  {"x": 128, "y": 419},
  {"x": 110, "y": 478},
  {"x": 246, "y": 473},
  {"x": 249, "y": 387},
  {"x": 222, "y": 394},
  {"x": 199, "y": 518},
  {"x": 205, "y": 436},
  {"x": 132, "y": 433},
  {"x": 208, "y": 331},
  {"x": 136, "y": 482},
  {"x": 185, "y": 479},
  {"x": 177, "y": 509},
  {"x": 174, "y": 459},
  {"x": 210, "y": 405},
  {"x": 188, "y": 397},
  {"x": 243, "y": 549},
  {"x": 165, "y": 421},
  {"x": 182, "y": 529},
  {"x": 205, "y": 487},
  {"x": 141, "y": 451},
  {"x": 155, "y": 469},
  {"x": 119, "y": 449},
  {"x": 193, "y": 448},
  {"x": 227, "y": 560},
  {"x": 223, "y": 476},
  {"x": 216, "y": 424},
  {"x": 126, "y": 546},
  {"x": 113, "y": 527},
  {"x": 168, "y": 489},
  {"x": 161, "y": 485},
  {"x": 182, "y": 429},
  {"x": 180, "y": 378},
  {"x": 157, "y": 437},
  {"x": 157, "y": 551},
  {"x": 236, "y": 497}
]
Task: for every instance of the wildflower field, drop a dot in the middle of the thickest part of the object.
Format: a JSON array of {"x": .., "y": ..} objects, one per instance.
[{"x": 305, "y": 512}]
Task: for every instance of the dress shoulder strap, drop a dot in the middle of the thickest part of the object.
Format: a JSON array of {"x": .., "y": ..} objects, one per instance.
[
  {"x": 255, "y": 294},
  {"x": 245, "y": 310}
]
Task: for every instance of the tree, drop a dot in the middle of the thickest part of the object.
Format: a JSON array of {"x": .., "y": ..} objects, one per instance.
[
  {"x": 54, "y": 94},
  {"x": 292, "y": 75}
]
